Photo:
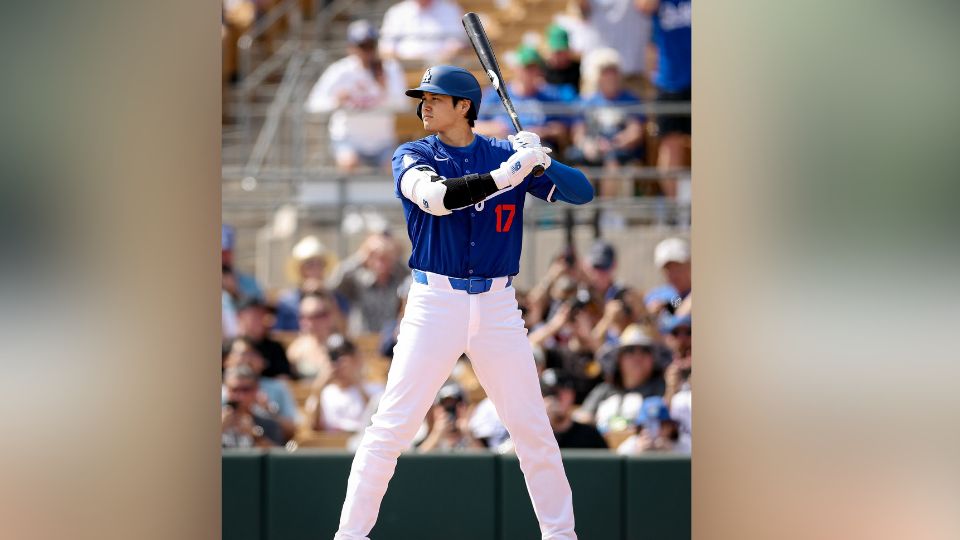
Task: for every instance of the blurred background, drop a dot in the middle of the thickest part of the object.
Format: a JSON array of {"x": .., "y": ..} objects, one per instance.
[{"x": 314, "y": 244}]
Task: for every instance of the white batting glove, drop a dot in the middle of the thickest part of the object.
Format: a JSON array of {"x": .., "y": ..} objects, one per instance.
[
  {"x": 512, "y": 171},
  {"x": 524, "y": 139},
  {"x": 527, "y": 139}
]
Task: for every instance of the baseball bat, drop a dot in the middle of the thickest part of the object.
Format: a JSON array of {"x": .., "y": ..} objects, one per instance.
[{"x": 488, "y": 59}]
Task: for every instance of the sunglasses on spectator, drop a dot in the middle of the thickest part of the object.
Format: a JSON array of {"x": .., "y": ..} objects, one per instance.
[
  {"x": 241, "y": 389},
  {"x": 315, "y": 315},
  {"x": 682, "y": 332}
]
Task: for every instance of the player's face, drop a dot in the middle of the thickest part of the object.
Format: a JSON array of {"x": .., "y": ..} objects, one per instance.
[{"x": 439, "y": 113}]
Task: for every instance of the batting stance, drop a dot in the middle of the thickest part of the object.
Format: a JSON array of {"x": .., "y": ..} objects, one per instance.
[{"x": 463, "y": 197}]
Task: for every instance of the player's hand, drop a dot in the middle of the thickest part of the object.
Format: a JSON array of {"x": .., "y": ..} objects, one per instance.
[
  {"x": 527, "y": 139},
  {"x": 512, "y": 171}
]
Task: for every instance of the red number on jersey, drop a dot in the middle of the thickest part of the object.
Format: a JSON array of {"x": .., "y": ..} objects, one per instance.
[{"x": 509, "y": 209}]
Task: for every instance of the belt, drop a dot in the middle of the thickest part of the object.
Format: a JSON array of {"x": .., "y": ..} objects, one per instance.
[{"x": 472, "y": 285}]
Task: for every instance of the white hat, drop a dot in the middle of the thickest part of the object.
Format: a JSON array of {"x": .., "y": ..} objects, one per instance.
[{"x": 671, "y": 250}]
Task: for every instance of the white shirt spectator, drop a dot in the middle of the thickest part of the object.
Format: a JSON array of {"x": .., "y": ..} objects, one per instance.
[
  {"x": 625, "y": 406},
  {"x": 344, "y": 408},
  {"x": 681, "y": 411},
  {"x": 430, "y": 33},
  {"x": 366, "y": 120},
  {"x": 485, "y": 423},
  {"x": 625, "y": 28}
]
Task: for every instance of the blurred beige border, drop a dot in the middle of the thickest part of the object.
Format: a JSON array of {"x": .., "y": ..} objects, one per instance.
[
  {"x": 110, "y": 319},
  {"x": 826, "y": 407}
]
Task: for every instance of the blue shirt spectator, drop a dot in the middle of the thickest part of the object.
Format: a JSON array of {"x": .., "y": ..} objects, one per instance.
[{"x": 671, "y": 34}]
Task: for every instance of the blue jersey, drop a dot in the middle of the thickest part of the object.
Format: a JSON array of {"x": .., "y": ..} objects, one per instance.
[
  {"x": 482, "y": 240},
  {"x": 671, "y": 34}
]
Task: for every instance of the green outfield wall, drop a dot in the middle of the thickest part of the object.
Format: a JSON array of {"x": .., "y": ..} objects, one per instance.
[{"x": 278, "y": 495}]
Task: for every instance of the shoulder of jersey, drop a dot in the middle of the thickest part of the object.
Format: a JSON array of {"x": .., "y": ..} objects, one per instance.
[{"x": 498, "y": 143}]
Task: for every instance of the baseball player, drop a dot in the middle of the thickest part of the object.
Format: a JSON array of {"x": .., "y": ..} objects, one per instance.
[{"x": 463, "y": 197}]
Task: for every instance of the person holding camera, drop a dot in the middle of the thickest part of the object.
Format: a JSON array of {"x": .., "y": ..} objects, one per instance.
[
  {"x": 273, "y": 397},
  {"x": 242, "y": 424},
  {"x": 340, "y": 400},
  {"x": 568, "y": 342},
  {"x": 449, "y": 422}
]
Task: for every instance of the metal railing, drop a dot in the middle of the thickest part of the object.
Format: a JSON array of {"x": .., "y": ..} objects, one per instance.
[{"x": 289, "y": 9}]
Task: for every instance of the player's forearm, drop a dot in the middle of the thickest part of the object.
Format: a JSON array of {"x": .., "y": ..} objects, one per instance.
[{"x": 572, "y": 184}]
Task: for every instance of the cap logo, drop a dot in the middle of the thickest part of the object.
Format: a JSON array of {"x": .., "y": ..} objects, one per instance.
[{"x": 427, "y": 77}]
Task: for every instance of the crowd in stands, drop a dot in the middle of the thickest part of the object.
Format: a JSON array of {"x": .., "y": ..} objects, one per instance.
[
  {"x": 581, "y": 84},
  {"x": 615, "y": 362}
]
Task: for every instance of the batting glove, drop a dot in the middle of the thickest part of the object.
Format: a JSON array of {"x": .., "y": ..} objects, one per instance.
[
  {"x": 526, "y": 139},
  {"x": 512, "y": 171}
]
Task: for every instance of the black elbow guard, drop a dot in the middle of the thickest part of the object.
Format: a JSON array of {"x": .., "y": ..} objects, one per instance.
[{"x": 468, "y": 190}]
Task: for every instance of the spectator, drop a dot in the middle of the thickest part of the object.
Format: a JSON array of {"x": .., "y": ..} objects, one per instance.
[
  {"x": 558, "y": 396},
  {"x": 243, "y": 285},
  {"x": 623, "y": 27},
  {"x": 530, "y": 94},
  {"x": 228, "y": 303},
  {"x": 672, "y": 257},
  {"x": 273, "y": 398},
  {"x": 671, "y": 35},
  {"x": 562, "y": 65},
  {"x": 567, "y": 339},
  {"x": 620, "y": 313},
  {"x": 679, "y": 331},
  {"x": 583, "y": 36},
  {"x": 601, "y": 271},
  {"x": 429, "y": 31},
  {"x": 681, "y": 412},
  {"x": 557, "y": 285},
  {"x": 608, "y": 135},
  {"x": 369, "y": 279},
  {"x": 656, "y": 431},
  {"x": 310, "y": 261},
  {"x": 449, "y": 423},
  {"x": 485, "y": 425},
  {"x": 252, "y": 324},
  {"x": 632, "y": 375},
  {"x": 318, "y": 321},
  {"x": 363, "y": 93},
  {"x": 341, "y": 400},
  {"x": 242, "y": 426}
]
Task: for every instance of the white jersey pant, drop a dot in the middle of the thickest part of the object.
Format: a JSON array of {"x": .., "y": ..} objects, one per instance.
[{"x": 439, "y": 325}]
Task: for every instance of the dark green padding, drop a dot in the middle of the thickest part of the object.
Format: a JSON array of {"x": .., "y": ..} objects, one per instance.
[
  {"x": 440, "y": 497},
  {"x": 431, "y": 497},
  {"x": 304, "y": 493},
  {"x": 595, "y": 478},
  {"x": 657, "y": 498},
  {"x": 241, "y": 495}
]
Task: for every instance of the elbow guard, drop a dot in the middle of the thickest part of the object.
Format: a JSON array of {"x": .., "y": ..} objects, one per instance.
[
  {"x": 422, "y": 186},
  {"x": 468, "y": 190}
]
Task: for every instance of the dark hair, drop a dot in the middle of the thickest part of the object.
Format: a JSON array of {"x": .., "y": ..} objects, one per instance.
[
  {"x": 471, "y": 112},
  {"x": 338, "y": 346}
]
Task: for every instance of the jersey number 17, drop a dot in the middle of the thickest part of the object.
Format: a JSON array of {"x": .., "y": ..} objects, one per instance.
[{"x": 504, "y": 223}]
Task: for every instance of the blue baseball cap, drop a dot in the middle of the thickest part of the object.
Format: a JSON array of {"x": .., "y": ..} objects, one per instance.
[
  {"x": 450, "y": 81},
  {"x": 653, "y": 409},
  {"x": 669, "y": 323}
]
